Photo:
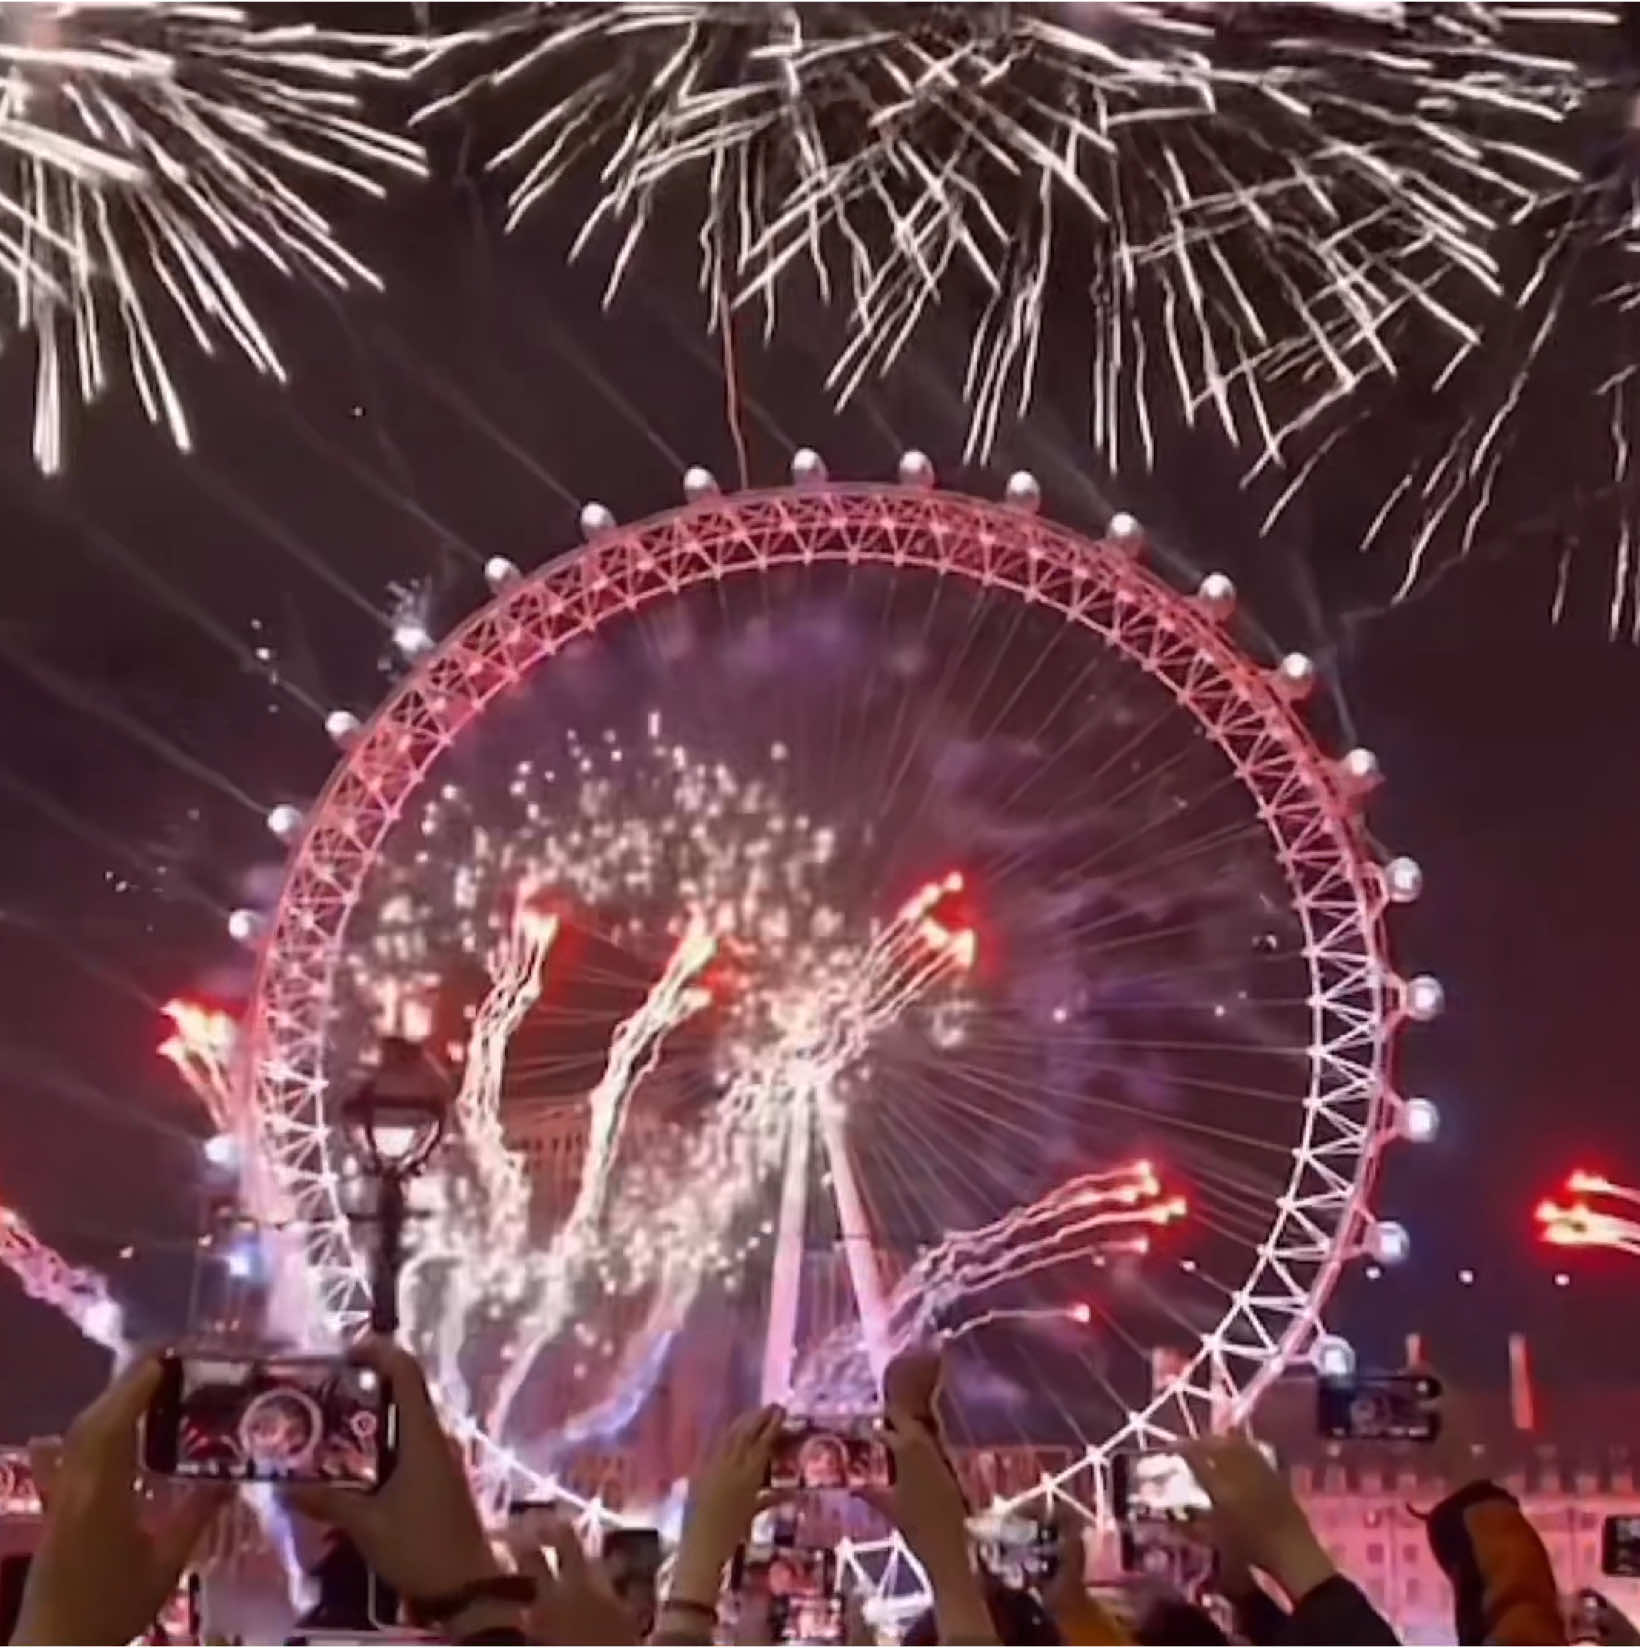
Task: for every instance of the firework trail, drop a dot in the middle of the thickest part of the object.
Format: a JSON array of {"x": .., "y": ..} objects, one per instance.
[
  {"x": 516, "y": 975},
  {"x": 660, "y": 1231},
  {"x": 201, "y": 1050},
  {"x": 1582, "y": 1224},
  {"x": 1553, "y": 362},
  {"x": 146, "y": 146},
  {"x": 1245, "y": 178},
  {"x": 632, "y": 1055},
  {"x": 1093, "y": 1213},
  {"x": 81, "y": 1295}
]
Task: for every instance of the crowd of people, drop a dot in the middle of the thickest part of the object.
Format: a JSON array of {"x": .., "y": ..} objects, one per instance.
[{"x": 110, "y": 1553}]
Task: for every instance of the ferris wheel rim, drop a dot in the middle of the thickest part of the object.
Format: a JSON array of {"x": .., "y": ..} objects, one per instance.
[{"x": 1174, "y": 638}]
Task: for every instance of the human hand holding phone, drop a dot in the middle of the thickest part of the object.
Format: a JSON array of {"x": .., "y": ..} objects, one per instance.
[
  {"x": 1253, "y": 1507},
  {"x": 106, "y": 1563},
  {"x": 218, "y": 1417},
  {"x": 420, "y": 1530},
  {"x": 574, "y": 1602}
]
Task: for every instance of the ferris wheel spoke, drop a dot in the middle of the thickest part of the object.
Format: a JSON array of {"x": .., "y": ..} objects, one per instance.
[
  {"x": 933, "y": 715},
  {"x": 949, "y": 1113},
  {"x": 1150, "y": 1117},
  {"x": 1071, "y": 746}
]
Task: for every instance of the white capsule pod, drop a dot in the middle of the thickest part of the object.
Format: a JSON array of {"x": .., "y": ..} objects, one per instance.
[
  {"x": 1333, "y": 1357},
  {"x": 1358, "y": 772},
  {"x": 500, "y": 573},
  {"x": 285, "y": 821},
  {"x": 1425, "y": 998},
  {"x": 596, "y": 518},
  {"x": 1420, "y": 1121},
  {"x": 1403, "y": 880},
  {"x": 916, "y": 469},
  {"x": 244, "y": 926},
  {"x": 1124, "y": 534},
  {"x": 1023, "y": 491},
  {"x": 342, "y": 726},
  {"x": 1216, "y": 596},
  {"x": 1388, "y": 1242},
  {"x": 1294, "y": 677},
  {"x": 808, "y": 467},
  {"x": 699, "y": 483}
]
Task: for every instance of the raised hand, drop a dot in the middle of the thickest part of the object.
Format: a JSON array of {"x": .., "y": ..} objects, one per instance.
[
  {"x": 1255, "y": 1513},
  {"x": 106, "y": 1562},
  {"x": 925, "y": 1503},
  {"x": 420, "y": 1531},
  {"x": 726, "y": 1494},
  {"x": 575, "y": 1603}
]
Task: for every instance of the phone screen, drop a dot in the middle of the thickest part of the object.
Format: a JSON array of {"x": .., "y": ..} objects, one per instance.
[
  {"x": 1156, "y": 1500},
  {"x": 819, "y": 1458},
  {"x": 1161, "y": 1487},
  {"x": 1020, "y": 1551},
  {"x": 270, "y": 1419},
  {"x": 18, "y": 1494},
  {"x": 1379, "y": 1407},
  {"x": 789, "y": 1593},
  {"x": 1620, "y": 1547},
  {"x": 631, "y": 1557}
]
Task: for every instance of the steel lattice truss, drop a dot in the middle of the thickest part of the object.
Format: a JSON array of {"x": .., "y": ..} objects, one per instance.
[{"x": 1339, "y": 892}]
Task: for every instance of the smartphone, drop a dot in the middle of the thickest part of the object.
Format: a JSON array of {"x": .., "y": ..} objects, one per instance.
[
  {"x": 795, "y": 1590},
  {"x": 283, "y": 1419},
  {"x": 1155, "y": 1499},
  {"x": 1379, "y": 1407},
  {"x": 18, "y": 1494},
  {"x": 631, "y": 1563},
  {"x": 829, "y": 1458},
  {"x": 631, "y": 1558},
  {"x": 1020, "y": 1551},
  {"x": 1620, "y": 1547}
]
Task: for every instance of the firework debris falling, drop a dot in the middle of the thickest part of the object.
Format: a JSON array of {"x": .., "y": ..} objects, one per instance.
[{"x": 144, "y": 150}]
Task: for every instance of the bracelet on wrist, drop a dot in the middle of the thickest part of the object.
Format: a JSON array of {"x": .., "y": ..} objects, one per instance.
[{"x": 689, "y": 1605}]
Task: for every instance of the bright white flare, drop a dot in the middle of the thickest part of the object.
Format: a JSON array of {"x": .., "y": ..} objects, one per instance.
[
  {"x": 146, "y": 146},
  {"x": 1267, "y": 192}
]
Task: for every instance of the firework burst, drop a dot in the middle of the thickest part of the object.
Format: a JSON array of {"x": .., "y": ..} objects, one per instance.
[
  {"x": 1545, "y": 382},
  {"x": 1250, "y": 182},
  {"x": 1600, "y": 1214},
  {"x": 146, "y": 147}
]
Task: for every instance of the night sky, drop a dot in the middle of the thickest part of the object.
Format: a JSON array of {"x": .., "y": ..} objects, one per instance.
[{"x": 466, "y": 413}]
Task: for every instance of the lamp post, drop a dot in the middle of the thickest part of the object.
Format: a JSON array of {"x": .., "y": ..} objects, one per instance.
[{"x": 396, "y": 1119}]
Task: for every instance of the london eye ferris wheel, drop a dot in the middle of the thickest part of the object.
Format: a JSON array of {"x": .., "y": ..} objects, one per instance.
[{"x": 927, "y": 922}]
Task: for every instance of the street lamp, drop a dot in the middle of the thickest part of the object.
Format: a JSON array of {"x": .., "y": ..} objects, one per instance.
[{"x": 396, "y": 1119}]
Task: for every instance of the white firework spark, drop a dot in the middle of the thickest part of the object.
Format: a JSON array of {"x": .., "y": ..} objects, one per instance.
[
  {"x": 1241, "y": 182},
  {"x": 1553, "y": 372},
  {"x": 144, "y": 147}
]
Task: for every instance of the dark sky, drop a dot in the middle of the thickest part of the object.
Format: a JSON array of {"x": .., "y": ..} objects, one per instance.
[{"x": 464, "y": 414}]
